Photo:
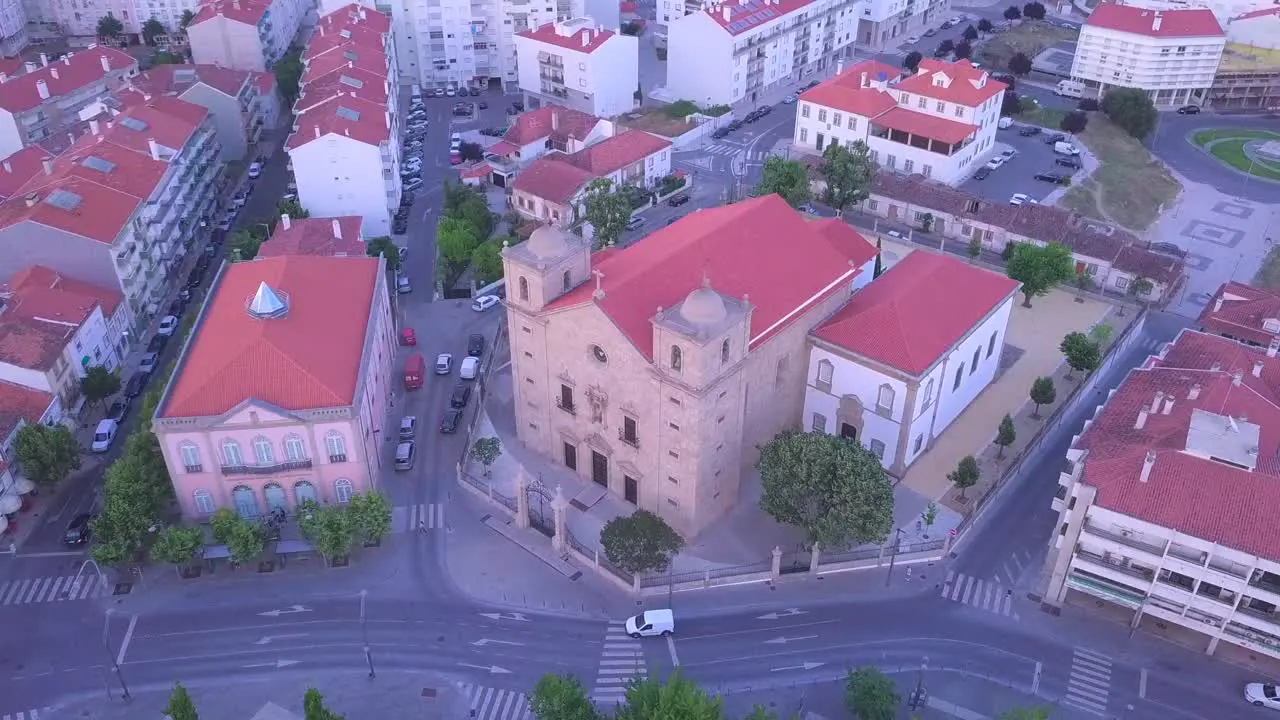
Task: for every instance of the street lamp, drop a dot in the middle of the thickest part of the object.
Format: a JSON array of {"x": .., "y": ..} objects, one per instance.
[
  {"x": 364, "y": 636},
  {"x": 115, "y": 663},
  {"x": 897, "y": 543}
]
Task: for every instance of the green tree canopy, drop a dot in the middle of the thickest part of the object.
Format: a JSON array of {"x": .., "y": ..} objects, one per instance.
[
  {"x": 1131, "y": 109},
  {"x": 966, "y": 474},
  {"x": 292, "y": 208},
  {"x": 1082, "y": 352},
  {"x": 870, "y": 695},
  {"x": 1074, "y": 122},
  {"x": 313, "y": 707},
  {"x": 245, "y": 243},
  {"x": 561, "y": 697},
  {"x": 911, "y": 62},
  {"x": 383, "y": 245},
  {"x": 464, "y": 203},
  {"x": 486, "y": 260},
  {"x": 109, "y": 27},
  {"x": 970, "y": 33},
  {"x": 849, "y": 172},
  {"x": 1024, "y": 713},
  {"x": 607, "y": 209},
  {"x": 246, "y": 541},
  {"x": 640, "y": 542},
  {"x": 370, "y": 515},
  {"x": 177, "y": 546},
  {"x": 151, "y": 29},
  {"x": 787, "y": 178},
  {"x": 1006, "y": 435},
  {"x": 334, "y": 532},
  {"x": 187, "y": 17},
  {"x": 833, "y": 489},
  {"x": 1039, "y": 269},
  {"x": 1033, "y": 10},
  {"x": 963, "y": 50},
  {"x": 288, "y": 72},
  {"x": 136, "y": 489},
  {"x": 180, "y": 706},
  {"x": 98, "y": 384},
  {"x": 676, "y": 697},
  {"x": 486, "y": 451},
  {"x": 1020, "y": 64},
  {"x": 48, "y": 454},
  {"x": 1043, "y": 393},
  {"x": 456, "y": 239}
]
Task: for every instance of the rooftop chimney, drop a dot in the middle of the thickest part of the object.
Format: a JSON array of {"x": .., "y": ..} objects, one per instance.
[
  {"x": 317, "y": 132},
  {"x": 66, "y": 59},
  {"x": 30, "y": 66},
  {"x": 1147, "y": 463},
  {"x": 1168, "y": 405},
  {"x": 154, "y": 147},
  {"x": 1237, "y": 377},
  {"x": 864, "y": 80},
  {"x": 47, "y": 163},
  {"x": 725, "y": 14},
  {"x": 1217, "y": 304},
  {"x": 555, "y": 120},
  {"x": 1142, "y": 419},
  {"x": 586, "y": 38},
  {"x": 32, "y": 199},
  {"x": 1155, "y": 22},
  {"x": 8, "y": 166},
  {"x": 95, "y": 127},
  {"x": 284, "y": 222},
  {"x": 106, "y": 63},
  {"x": 337, "y": 229},
  {"x": 4, "y": 78},
  {"x": 44, "y": 60},
  {"x": 42, "y": 88},
  {"x": 54, "y": 73},
  {"x": 362, "y": 14},
  {"x": 1194, "y": 392},
  {"x": 1257, "y": 368},
  {"x": 1155, "y": 404},
  {"x": 1273, "y": 347}
]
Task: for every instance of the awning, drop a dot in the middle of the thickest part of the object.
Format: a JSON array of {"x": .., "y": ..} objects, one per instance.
[
  {"x": 10, "y": 503},
  {"x": 292, "y": 547},
  {"x": 216, "y": 552}
]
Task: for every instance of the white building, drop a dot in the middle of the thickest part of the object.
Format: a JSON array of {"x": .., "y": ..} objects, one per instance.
[
  {"x": 13, "y": 27},
  {"x": 244, "y": 34},
  {"x": 887, "y": 23},
  {"x": 1172, "y": 54},
  {"x": 345, "y": 146},
  {"x": 742, "y": 49},
  {"x": 1167, "y": 495},
  {"x": 909, "y": 352},
  {"x": 939, "y": 123},
  {"x": 579, "y": 65}
]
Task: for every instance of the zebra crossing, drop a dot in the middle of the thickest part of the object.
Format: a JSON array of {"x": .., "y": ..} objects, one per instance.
[
  {"x": 51, "y": 589},
  {"x": 415, "y": 518},
  {"x": 620, "y": 662},
  {"x": 723, "y": 149},
  {"x": 486, "y": 703},
  {"x": 976, "y": 592},
  {"x": 1089, "y": 685},
  {"x": 22, "y": 715}
]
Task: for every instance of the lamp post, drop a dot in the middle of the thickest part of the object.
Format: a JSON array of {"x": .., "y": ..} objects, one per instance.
[
  {"x": 364, "y": 636},
  {"x": 897, "y": 542},
  {"x": 115, "y": 664}
]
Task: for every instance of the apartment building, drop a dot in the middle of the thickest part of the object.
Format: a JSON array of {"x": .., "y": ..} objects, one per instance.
[
  {"x": 577, "y": 64},
  {"x": 47, "y": 100},
  {"x": 53, "y": 329},
  {"x": 77, "y": 22},
  {"x": 887, "y": 23},
  {"x": 743, "y": 49},
  {"x": 19, "y": 406},
  {"x": 345, "y": 146},
  {"x": 123, "y": 205},
  {"x": 1165, "y": 499},
  {"x": 1171, "y": 54},
  {"x": 13, "y": 28},
  {"x": 457, "y": 43},
  {"x": 939, "y": 122},
  {"x": 1248, "y": 78},
  {"x": 244, "y": 34},
  {"x": 243, "y": 104}
]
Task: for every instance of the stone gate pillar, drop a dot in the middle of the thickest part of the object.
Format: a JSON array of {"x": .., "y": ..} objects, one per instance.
[
  {"x": 777, "y": 562},
  {"x": 522, "y": 500},
  {"x": 560, "y": 510}
]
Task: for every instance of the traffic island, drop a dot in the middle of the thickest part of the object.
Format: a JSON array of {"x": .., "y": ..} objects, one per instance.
[{"x": 1253, "y": 152}]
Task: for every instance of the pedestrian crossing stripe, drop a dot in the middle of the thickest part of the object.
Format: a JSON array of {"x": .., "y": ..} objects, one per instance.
[
  {"x": 1089, "y": 685},
  {"x": 978, "y": 593},
  {"x": 621, "y": 661},
  {"x": 486, "y": 703},
  {"x": 413, "y": 518},
  {"x": 50, "y": 589},
  {"x": 26, "y": 715}
]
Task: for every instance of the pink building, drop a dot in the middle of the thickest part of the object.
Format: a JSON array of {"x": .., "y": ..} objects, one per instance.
[{"x": 282, "y": 393}]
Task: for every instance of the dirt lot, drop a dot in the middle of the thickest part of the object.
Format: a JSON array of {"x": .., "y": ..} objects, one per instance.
[
  {"x": 656, "y": 121},
  {"x": 1029, "y": 38},
  {"x": 1130, "y": 185}
]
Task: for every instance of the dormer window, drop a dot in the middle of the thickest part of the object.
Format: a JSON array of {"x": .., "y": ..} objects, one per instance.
[
  {"x": 1271, "y": 325},
  {"x": 677, "y": 358}
]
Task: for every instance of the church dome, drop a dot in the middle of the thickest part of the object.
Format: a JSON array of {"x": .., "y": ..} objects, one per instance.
[
  {"x": 546, "y": 242},
  {"x": 704, "y": 306}
]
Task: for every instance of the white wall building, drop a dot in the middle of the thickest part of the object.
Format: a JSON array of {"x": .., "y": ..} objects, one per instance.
[
  {"x": 887, "y": 23},
  {"x": 895, "y": 392},
  {"x": 740, "y": 50},
  {"x": 1172, "y": 54},
  {"x": 244, "y": 34},
  {"x": 579, "y": 65},
  {"x": 345, "y": 146},
  {"x": 13, "y": 27},
  {"x": 940, "y": 122}
]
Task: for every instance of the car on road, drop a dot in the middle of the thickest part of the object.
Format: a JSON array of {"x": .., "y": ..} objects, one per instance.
[
  {"x": 157, "y": 344},
  {"x": 1070, "y": 162},
  {"x": 78, "y": 531},
  {"x": 412, "y": 185},
  {"x": 1168, "y": 248},
  {"x": 1009, "y": 154},
  {"x": 484, "y": 302},
  {"x": 651, "y": 623},
  {"x": 1022, "y": 199},
  {"x": 403, "y": 286},
  {"x": 136, "y": 384},
  {"x": 104, "y": 435},
  {"x": 444, "y": 364},
  {"x": 119, "y": 409},
  {"x": 255, "y": 171},
  {"x": 408, "y": 427},
  {"x": 1189, "y": 110},
  {"x": 995, "y": 162},
  {"x": 469, "y": 368},
  {"x": 461, "y": 395},
  {"x": 895, "y": 234},
  {"x": 1262, "y": 695},
  {"x": 719, "y": 133},
  {"x": 450, "y": 92},
  {"x": 930, "y": 32},
  {"x": 168, "y": 325},
  {"x": 1055, "y": 138},
  {"x": 1030, "y": 130},
  {"x": 1055, "y": 178},
  {"x": 148, "y": 362},
  {"x": 911, "y": 40},
  {"x": 450, "y": 421},
  {"x": 789, "y": 100},
  {"x": 405, "y": 452},
  {"x": 678, "y": 200},
  {"x": 982, "y": 173},
  {"x": 475, "y": 345},
  {"x": 635, "y": 222}
]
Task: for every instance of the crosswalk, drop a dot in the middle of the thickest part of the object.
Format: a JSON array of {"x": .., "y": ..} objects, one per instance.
[
  {"x": 722, "y": 149},
  {"x": 415, "y": 518},
  {"x": 1089, "y": 685},
  {"x": 51, "y": 589},
  {"x": 486, "y": 703},
  {"x": 620, "y": 662},
  {"x": 22, "y": 715},
  {"x": 976, "y": 592}
]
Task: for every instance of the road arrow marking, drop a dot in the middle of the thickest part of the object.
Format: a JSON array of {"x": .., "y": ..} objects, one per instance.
[
  {"x": 491, "y": 669},
  {"x": 268, "y": 639},
  {"x": 789, "y": 612},
  {"x": 487, "y": 641},
  {"x": 287, "y": 611},
  {"x": 518, "y": 617},
  {"x": 277, "y": 664},
  {"x": 784, "y": 639},
  {"x": 805, "y": 666}
]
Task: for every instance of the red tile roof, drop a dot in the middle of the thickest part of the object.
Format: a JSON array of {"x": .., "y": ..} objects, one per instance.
[
  {"x": 308, "y": 359},
  {"x": 353, "y": 16},
  {"x": 550, "y": 121},
  {"x": 32, "y": 344},
  {"x": 954, "y": 82},
  {"x": 349, "y": 41},
  {"x": 177, "y": 79},
  {"x": 369, "y": 67},
  {"x": 334, "y": 115},
  {"x": 740, "y": 17},
  {"x": 315, "y": 236},
  {"x": 65, "y": 75},
  {"x": 620, "y": 151},
  {"x": 924, "y": 125},
  {"x": 851, "y": 90},
  {"x": 552, "y": 179},
  {"x": 1262, "y": 12},
  {"x": 19, "y": 168},
  {"x": 249, "y": 12},
  {"x": 479, "y": 170},
  {"x": 39, "y": 292},
  {"x": 736, "y": 247},
  {"x": 18, "y": 403},
  {"x": 264, "y": 81},
  {"x": 1239, "y": 311},
  {"x": 1192, "y": 22},
  {"x": 570, "y": 35},
  {"x": 917, "y": 311},
  {"x": 1192, "y": 494},
  {"x": 12, "y": 66},
  {"x": 368, "y": 85}
]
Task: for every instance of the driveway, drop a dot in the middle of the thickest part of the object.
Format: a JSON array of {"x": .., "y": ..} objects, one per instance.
[{"x": 1018, "y": 175}]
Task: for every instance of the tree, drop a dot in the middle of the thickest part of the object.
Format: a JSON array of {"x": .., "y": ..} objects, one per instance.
[
  {"x": 151, "y": 29},
  {"x": 244, "y": 244},
  {"x": 370, "y": 516},
  {"x": 288, "y": 72},
  {"x": 1012, "y": 13},
  {"x": 1039, "y": 269},
  {"x": 870, "y": 694},
  {"x": 47, "y": 454},
  {"x": 965, "y": 475},
  {"x": 313, "y": 707},
  {"x": 109, "y": 27},
  {"x": 1022, "y": 713},
  {"x": 971, "y": 33},
  {"x": 975, "y": 249},
  {"x": 1139, "y": 288},
  {"x": 1006, "y": 435},
  {"x": 561, "y": 697},
  {"x": 1033, "y": 11},
  {"x": 177, "y": 546},
  {"x": 984, "y": 25},
  {"x": 1101, "y": 333},
  {"x": 879, "y": 268},
  {"x": 848, "y": 172},
  {"x": 187, "y": 17},
  {"x": 1010, "y": 105},
  {"x": 222, "y": 524},
  {"x": 163, "y": 57},
  {"x": 1074, "y": 122},
  {"x": 292, "y": 208},
  {"x": 486, "y": 260},
  {"x": 486, "y": 451},
  {"x": 1131, "y": 109},
  {"x": 334, "y": 532},
  {"x": 136, "y": 489},
  {"x": 386, "y": 247},
  {"x": 1006, "y": 254},
  {"x": 929, "y": 516},
  {"x": 653, "y": 699},
  {"x": 963, "y": 50},
  {"x": 926, "y": 222},
  {"x": 1083, "y": 354},
  {"x": 912, "y": 61},
  {"x": 640, "y": 542},
  {"x": 1087, "y": 105},
  {"x": 98, "y": 384},
  {"x": 946, "y": 46},
  {"x": 1042, "y": 393},
  {"x": 245, "y": 542},
  {"x": 607, "y": 209},
  {"x": 787, "y": 178},
  {"x": 833, "y": 489},
  {"x": 180, "y": 706},
  {"x": 471, "y": 152},
  {"x": 456, "y": 240},
  {"x": 1020, "y": 64}
]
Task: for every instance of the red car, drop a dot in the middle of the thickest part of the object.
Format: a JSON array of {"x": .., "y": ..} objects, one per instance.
[
  {"x": 455, "y": 158},
  {"x": 408, "y": 337}
]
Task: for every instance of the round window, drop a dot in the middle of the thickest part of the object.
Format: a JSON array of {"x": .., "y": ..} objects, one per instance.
[{"x": 599, "y": 353}]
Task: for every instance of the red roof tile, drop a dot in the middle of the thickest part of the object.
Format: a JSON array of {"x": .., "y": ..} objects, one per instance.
[
  {"x": 315, "y": 236},
  {"x": 39, "y": 292},
  {"x": 954, "y": 82},
  {"x": 66, "y": 75},
  {"x": 354, "y": 16},
  {"x": 334, "y": 115},
  {"x": 177, "y": 79},
  {"x": 917, "y": 311},
  {"x": 370, "y": 86},
  {"x": 19, "y": 168},
  {"x": 1193, "y": 22},
  {"x": 620, "y": 151},
  {"x": 249, "y": 12},
  {"x": 368, "y": 67},
  {"x": 923, "y": 125},
  {"x": 736, "y": 247},
  {"x": 18, "y": 403},
  {"x": 264, "y": 81},
  {"x": 550, "y": 121},
  {"x": 747, "y": 14},
  {"x": 479, "y": 170},
  {"x": 851, "y": 90},
  {"x": 12, "y": 66},
  {"x": 552, "y": 179},
  {"x": 1192, "y": 494},
  {"x": 308, "y": 359},
  {"x": 32, "y": 344},
  {"x": 570, "y": 35},
  {"x": 97, "y": 212},
  {"x": 1240, "y": 311}
]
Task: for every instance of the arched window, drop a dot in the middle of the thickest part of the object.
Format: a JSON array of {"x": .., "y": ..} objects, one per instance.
[
  {"x": 294, "y": 450},
  {"x": 275, "y": 498},
  {"x": 203, "y": 501},
  {"x": 262, "y": 451},
  {"x": 724, "y": 352},
  {"x": 231, "y": 456},
  {"x": 336, "y": 446},
  {"x": 190, "y": 457},
  {"x": 342, "y": 490},
  {"x": 303, "y": 491},
  {"x": 524, "y": 289},
  {"x": 246, "y": 502},
  {"x": 676, "y": 358},
  {"x": 568, "y": 282}
]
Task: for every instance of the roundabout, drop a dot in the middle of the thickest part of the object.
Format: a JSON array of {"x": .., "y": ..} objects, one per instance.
[{"x": 1253, "y": 152}]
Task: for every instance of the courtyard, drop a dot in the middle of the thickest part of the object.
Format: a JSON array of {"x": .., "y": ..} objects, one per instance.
[{"x": 1242, "y": 149}]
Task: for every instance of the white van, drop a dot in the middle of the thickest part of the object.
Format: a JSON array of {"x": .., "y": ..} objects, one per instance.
[
  {"x": 104, "y": 435},
  {"x": 470, "y": 368},
  {"x": 1065, "y": 148},
  {"x": 651, "y": 623},
  {"x": 1005, "y": 123},
  {"x": 1069, "y": 88}
]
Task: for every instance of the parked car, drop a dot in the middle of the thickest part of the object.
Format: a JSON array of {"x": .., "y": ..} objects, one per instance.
[
  {"x": 1029, "y": 130},
  {"x": 1055, "y": 138},
  {"x": 1168, "y": 248},
  {"x": 678, "y": 200},
  {"x": 78, "y": 530},
  {"x": 157, "y": 343},
  {"x": 469, "y": 368},
  {"x": 403, "y": 286},
  {"x": 635, "y": 222},
  {"x": 1055, "y": 178},
  {"x": 450, "y": 421},
  {"x": 412, "y": 185},
  {"x": 255, "y": 170},
  {"x": 444, "y": 364},
  {"x": 1262, "y": 695},
  {"x": 720, "y": 132},
  {"x": 1189, "y": 110},
  {"x": 408, "y": 337},
  {"x": 408, "y": 427},
  {"x": 405, "y": 453},
  {"x": 136, "y": 384},
  {"x": 1023, "y": 199},
  {"x": 1071, "y": 162},
  {"x": 475, "y": 345},
  {"x": 148, "y": 362},
  {"x": 982, "y": 173},
  {"x": 484, "y": 302},
  {"x": 118, "y": 410},
  {"x": 104, "y": 435},
  {"x": 168, "y": 325},
  {"x": 461, "y": 395},
  {"x": 995, "y": 162},
  {"x": 475, "y": 92}
]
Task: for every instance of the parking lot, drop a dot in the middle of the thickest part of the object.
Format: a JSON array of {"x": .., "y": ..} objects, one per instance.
[{"x": 1018, "y": 174}]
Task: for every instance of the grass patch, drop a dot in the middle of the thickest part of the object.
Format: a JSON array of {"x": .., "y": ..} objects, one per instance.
[
  {"x": 1083, "y": 199},
  {"x": 1204, "y": 137},
  {"x": 655, "y": 120},
  {"x": 1269, "y": 274},
  {"x": 1232, "y": 152},
  {"x": 1030, "y": 38},
  {"x": 1133, "y": 185},
  {"x": 1050, "y": 118}
]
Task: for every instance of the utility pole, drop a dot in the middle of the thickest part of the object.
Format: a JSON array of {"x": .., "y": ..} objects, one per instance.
[
  {"x": 893, "y": 557},
  {"x": 364, "y": 636},
  {"x": 920, "y": 695}
]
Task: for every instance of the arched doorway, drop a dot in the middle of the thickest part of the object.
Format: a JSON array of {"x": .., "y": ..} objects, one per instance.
[
  {"x": 246, "y": 503},
  {"x": 276, "y": 500},
  {"x": 304, "y": 491}
]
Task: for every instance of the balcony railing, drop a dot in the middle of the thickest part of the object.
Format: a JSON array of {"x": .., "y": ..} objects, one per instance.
[
  {"x": 568, "y": 407},
  {"x": 271, "y": 469},
  {"x": 1125, "y": 540},
  {"x": 1119, "y": 567},
  {"x": 631, "y": 439}
]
